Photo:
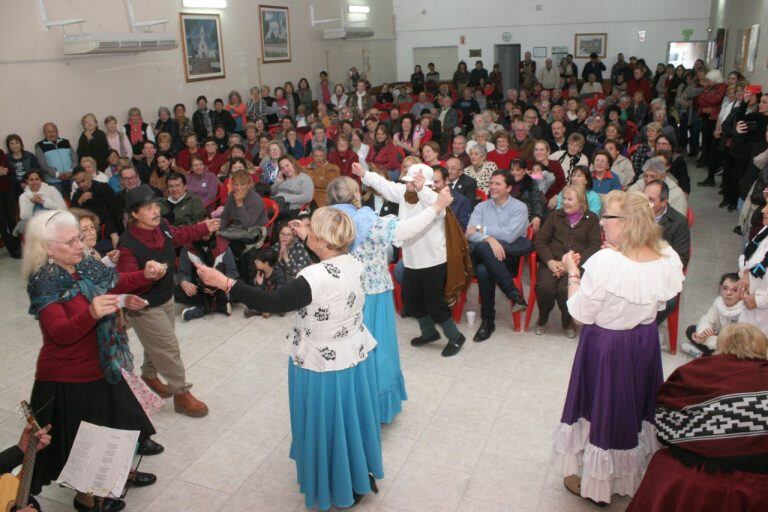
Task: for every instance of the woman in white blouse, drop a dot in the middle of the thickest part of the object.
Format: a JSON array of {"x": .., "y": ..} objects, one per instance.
[
  {"x": 373, "y": 236},
  {"x": 606, "y": 435},
  {"x": 752, "y": 268},
  {"x": 37, "y": 196},
  {"x": 335, "y": 427},
  {"x": 359, "y": 147}
]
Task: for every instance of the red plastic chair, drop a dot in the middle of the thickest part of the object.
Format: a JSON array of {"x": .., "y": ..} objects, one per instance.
[
  {"x": 273, "y": 130},
  {"x": 398, "y": 291},
  {"x": 307, "y": 136},
  {"x": 220, "y": 199},
  {"x": 631, "y": 132},
  {"x": 307, "y": 160},
  {"x": 689, "y": 216},
  {"x": 632, "y": 150},
  {"x": 405, "y": 107},
  {"x": 480, "y": 195}
]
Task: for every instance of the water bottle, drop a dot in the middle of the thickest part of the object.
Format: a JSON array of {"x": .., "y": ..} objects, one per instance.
[{"x": 691, "y": 350}]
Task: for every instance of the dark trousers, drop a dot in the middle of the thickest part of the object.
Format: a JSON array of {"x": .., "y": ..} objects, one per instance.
[
  {"x": 733, "y": 173},
  {"x": 708, "y": 143},
  {"x": 695, "y": 133},
  {"x": 8, "y": 204},
  {"x": 491, "y": 272},
  {"x": 664, "y": 313},
  {"x": 424, "y": 292},
  {"x": 682, "y": 131},
  {"x": 209, "y": 302},
  {"x": 551, "y": 290}
]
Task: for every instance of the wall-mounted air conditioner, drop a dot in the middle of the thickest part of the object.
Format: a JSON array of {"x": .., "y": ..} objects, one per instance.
[
  {"x": 348, "y": 33},
  {"x": 87, "y": 44}
]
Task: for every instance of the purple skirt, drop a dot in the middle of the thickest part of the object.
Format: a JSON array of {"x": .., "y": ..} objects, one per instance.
[
  {"x": 615, "y": 378},
  {"x": 606, "y": 434}
]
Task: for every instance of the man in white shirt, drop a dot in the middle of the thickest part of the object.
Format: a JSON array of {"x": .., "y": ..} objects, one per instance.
[
  {"x": 424, "y": 256},
  {"x": 549, "y": 75}
]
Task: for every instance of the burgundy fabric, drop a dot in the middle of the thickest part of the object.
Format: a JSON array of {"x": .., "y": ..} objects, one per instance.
[{"x": 670, "y": 486}]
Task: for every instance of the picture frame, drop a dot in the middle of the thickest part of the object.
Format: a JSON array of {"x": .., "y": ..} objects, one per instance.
[
  {"x": 716, "y": 51},
  {"x": 539, "y": 52},
  {"x": 751, "y": 53},
  {"x": 584, "y": 44},
  {"x": 201, "y": 46},
  {"x": 742, "y": 43},
  {"x": 275, "y": 29}
]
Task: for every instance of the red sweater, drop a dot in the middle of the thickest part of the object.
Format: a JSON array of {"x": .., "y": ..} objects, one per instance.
[
  {"x": 70, "y": 351},
  {"x": 184, "y": 156},
  {"x": 214, "y": 164},
  {"x": 503, "y": 161},
  {"x": 641, "y": 85},
  {"x": 155, "y": 239},
  {"x": 389, "y": 157},
  {"x": 344, "y": 161},
  {"x": 556, "y": 169}
]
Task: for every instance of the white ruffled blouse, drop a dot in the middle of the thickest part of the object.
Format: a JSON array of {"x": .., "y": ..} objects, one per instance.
[{"x": 620, "y": 294}]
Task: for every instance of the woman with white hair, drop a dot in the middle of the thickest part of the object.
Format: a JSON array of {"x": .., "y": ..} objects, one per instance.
[
  {"x": 373, "y": 236},
  {"x": 606, "y": 434},
  {"x": 167, "y": 124},
  {"x": 480, "y": 169},
  {"x": 709, "y": 103},
  {"x": 332, "y": 390},
  {"x": 77, "y": 302}
]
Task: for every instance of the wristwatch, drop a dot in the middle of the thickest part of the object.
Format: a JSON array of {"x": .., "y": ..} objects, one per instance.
[{"x": 479, "y": 228}]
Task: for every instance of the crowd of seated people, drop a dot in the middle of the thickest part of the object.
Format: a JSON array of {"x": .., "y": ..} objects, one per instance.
[{"x": 532, "y": 166}]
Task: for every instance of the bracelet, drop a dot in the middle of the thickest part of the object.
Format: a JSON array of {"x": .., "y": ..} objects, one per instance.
[
  {"x": 230, "y": 284},
  {"x": 574, "y": 274}
]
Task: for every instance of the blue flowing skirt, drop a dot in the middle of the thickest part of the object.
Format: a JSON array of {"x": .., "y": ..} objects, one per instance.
[
  {"x": 379, "y": 318},
  {"x": 336, "y": 432}
]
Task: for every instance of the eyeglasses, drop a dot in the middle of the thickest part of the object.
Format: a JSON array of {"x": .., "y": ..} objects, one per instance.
[
  {"x": 732, "y": 289},
  {"x": 608, "y": 217},
  {"x": 71, "y": 243}
]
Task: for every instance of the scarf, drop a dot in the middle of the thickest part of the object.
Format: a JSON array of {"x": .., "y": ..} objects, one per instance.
[
  {"x": 574, "y": 218},
  {"x": 732, "y": 313},
  {"x": 363, "y": 218},
  {"x": 759, "y": 269},
  {"x": 716, "y": 422},
  {"x": 51, "y": 284},
  {"x": 136, "y": 133}
]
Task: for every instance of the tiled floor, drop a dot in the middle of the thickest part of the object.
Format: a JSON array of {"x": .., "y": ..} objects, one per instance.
[{"x": 473, "y": 437}]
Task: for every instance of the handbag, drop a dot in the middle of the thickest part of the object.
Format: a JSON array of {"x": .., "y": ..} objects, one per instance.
[
  {"x": 248, "y": 236},
  {"x": 459, "y": 263}
]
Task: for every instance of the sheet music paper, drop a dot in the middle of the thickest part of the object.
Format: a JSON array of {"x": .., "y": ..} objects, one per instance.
[{"x": 100, "y": 460}]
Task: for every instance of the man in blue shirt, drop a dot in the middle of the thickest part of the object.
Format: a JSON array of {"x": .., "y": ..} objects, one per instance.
[{"x": 496, "y": 234}]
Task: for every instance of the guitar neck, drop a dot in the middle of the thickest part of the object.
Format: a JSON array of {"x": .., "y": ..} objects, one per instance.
[{"x": 27, "y": 469}]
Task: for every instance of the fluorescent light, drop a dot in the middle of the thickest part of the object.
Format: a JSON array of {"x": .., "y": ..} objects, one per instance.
[
  {"x": 205, "y": 4},
  {"x": 359, "y": 9}
]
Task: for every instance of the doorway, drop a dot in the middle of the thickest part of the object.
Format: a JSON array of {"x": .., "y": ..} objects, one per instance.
[
  {"x": 685, "y": 53},
  {"x": 508, "y": 58},
  {"x": 445, "y": 59}
]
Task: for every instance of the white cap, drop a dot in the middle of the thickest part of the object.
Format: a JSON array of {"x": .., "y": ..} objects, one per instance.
[{"x": 422, "y": 169}]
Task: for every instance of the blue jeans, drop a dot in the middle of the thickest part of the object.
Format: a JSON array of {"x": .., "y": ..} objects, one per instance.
[{"x": 491, "y": 272}]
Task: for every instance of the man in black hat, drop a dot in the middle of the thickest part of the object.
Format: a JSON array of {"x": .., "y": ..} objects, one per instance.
[
  {"x": 148, "y": 237},
  {"x": 594, "y": 66}
]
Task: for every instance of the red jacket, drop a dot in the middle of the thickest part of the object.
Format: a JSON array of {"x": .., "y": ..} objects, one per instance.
[
  {"x": 344, "y": 162},
  {"x": 214, "y": 164},
  {"x": 389, "y": 157},
  {"x": 70, "y": 351},
  {"x": 503, "y": 161},
  {"x": 711, "y": 99},
  {"x": 556, "y": 169},
  {"x": 641, "y": 85}
]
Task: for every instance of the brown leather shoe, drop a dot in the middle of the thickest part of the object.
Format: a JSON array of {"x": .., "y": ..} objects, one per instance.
[
  {"x": 185, "y": 403},
  {"x": 158, "y": 386}
]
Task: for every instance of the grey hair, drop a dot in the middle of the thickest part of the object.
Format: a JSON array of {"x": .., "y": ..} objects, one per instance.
[
  {"x": 656, "y": 102},
  {"x": 664, "y": 189},
  {"x": 715, "y": 76},
  {"x": 134, "y": 111},
  {"x": 163, "y": 110},
  {"x": 343, "y": 190},
  {"x": 39, "y": 231},
  {"x": 480, "y": 148},
  {"x": 656, "y": 164}
]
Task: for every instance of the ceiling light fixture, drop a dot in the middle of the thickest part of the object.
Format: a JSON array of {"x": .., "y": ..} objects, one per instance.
[
  {"x": 359, "y": 9},
  {"x": 205, "y": 4}
]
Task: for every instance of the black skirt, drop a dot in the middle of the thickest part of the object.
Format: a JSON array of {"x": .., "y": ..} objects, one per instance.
[{"x": 64, "y": 405}]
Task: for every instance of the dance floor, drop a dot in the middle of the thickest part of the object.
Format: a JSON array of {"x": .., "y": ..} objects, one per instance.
[{"x": 474, "y": 436}]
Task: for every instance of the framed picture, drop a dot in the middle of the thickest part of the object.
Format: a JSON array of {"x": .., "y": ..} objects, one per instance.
[
  {"x": 201, "y": 46},
  {"x": 752, "y": 47},
  {"x": 584, "y": 44},
  {"x": 539, "y": 52},
  {"x": 275, "y": 34},
  {"x": 716, "y": 50},
  {"x": 742, "y": 42}
]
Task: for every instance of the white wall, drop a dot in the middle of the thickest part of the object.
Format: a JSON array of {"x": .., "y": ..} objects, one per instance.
[
  {"x": 736, "y": 15},
  {"x": 41, "y": 84},
  {"x": 441, "y": 23}
]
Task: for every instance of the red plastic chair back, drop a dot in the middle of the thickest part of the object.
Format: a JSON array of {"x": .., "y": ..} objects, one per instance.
[
  {"x": 307, "y": 160},
  {"x": 632, "y": 150},
  {"x": 481, "y": 196},
  {"x": 689, "y": 216},
  {"x": 405, "y": 107}
]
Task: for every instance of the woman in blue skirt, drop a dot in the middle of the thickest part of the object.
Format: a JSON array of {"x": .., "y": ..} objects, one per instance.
[
  {"x": 607, "y": 435},
  {"x": 373, "y": 236},
  {"x": 333, "y": 394}
]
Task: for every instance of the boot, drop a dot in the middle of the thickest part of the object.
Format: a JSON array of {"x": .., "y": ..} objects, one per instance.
[
  {"x": 186, "y": 403},
  {"x": 158, "y": 386}
]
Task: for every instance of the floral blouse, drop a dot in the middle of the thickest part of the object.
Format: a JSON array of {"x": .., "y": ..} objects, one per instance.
[
  {"x": 298, "y": 258},
  {"x": 483, "y": 177},
  {"x": 329, "y": 334}
]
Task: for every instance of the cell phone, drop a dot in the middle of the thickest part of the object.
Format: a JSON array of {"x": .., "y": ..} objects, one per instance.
[{"x": 751, "y": 125}]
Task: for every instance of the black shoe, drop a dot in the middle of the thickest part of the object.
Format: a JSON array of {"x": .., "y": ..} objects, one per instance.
[
  {"x": 248, "y": 313},
  {"x": 420, "y": 340},
  {"x": 518, "y": 302},
  {"x": 453, "y": 347},
  {"x": 15, "y": 254},
  {"x": 192, "y": 312},
  {"x": 149, "y": 447},
  {"x": 374, "y": 489},
  {"x": 140, "y": 479},
  {"x": 706, "y": 183},
  {"x": 738, "y": 231},
  {"x": 487, "y": 327},
  {"x": 106, "y": 505},
  {"x": 692, "y": 153},
  {"x": 722, "y": 204}
]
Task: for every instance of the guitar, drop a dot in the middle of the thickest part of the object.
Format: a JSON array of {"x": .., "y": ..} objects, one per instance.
[{"x": 14, "y": 490}]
